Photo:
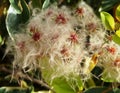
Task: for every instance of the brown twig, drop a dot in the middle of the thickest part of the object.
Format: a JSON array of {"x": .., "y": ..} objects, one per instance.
[{"x": 20, "y": 74}]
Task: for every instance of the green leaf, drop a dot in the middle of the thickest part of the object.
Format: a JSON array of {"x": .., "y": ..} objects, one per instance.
[
  {"x": 63, "y": 85},
  {"x": 116, "y": 39},
  {"x": 26, "y": 11},
  {"x": 99, "y": 90},
  {"x": 14, "y": 18},
  {"x": 12, "y": 21},
  {"x": 117, "y": 13},
  {"x": 46, "y": 4},
  {"x": 108, "y": 21},
  {"x": 16, "y": 5},
  {"x": 47, "y": 70},
  {"x": 118, "y": 33},
  {"x": 1, "y": 40},
  {"x": 106, "y": 5},
  {"x": 60, "y": 85}
]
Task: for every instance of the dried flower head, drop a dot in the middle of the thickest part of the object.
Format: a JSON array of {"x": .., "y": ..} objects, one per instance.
[{"x": 65, "y": 43}]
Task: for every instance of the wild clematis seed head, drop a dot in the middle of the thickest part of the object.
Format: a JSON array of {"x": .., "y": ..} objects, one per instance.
[
  {"x": 62, "y": 44},
  {"x": 117, "y": 62},
  {"x": 36, "y": 36},
  {"x": 80, "y": 11},
  {"x": 60, "y": 19},
  {"x": 21, "y": 45},
  {"x": 73, "y": 37},
  {"x": 112, "y": 50},
  {"x": 91, "y": 27}
]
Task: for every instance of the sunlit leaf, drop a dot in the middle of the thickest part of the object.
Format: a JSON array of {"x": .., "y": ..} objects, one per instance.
[
  {"x": 45, "y": 4},
  {"x": 63, "y": 85},
  {"x": 99, "y": 90},
  {"x": 118, "y": 33},
  {"x": 46, "y": 73},
  {"x": 60, "y": 85},
  {"x": 93, "y": 62},
  {"x": 23, "y": 84},
  {"x": 117, "y": 13},
  {"x": 107, "y": 20},
  {"x": 116, "y": 38}
]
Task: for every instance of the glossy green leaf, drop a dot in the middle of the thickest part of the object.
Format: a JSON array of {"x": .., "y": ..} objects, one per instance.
[
  {"x": 106, "y": 5},
  {"x": 116, "y": 39},
  {"x": 26, "y": 11},
  {"x": 108, "y": 21},
  {"x": 46, "y": 4},
  {"x": 14, "y": 19},
  {"x": 16, "y": 4},
  {"x": 99, "y": 90},
  {"x": 117, "y": 13}
]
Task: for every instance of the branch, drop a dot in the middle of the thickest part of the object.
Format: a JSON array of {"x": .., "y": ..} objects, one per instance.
[{"x": 20, "y": 74}]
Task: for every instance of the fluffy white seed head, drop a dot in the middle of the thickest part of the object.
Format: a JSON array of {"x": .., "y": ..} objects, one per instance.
[{"x": 61, "y": 41}]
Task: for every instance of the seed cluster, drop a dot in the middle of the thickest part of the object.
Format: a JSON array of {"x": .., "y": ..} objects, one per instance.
[{"x": 63, "y": 41}]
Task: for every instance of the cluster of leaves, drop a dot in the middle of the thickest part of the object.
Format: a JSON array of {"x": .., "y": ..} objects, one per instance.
[
  {"x": 112, "y": 24},
  {"x": 19, "y": 12}
]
